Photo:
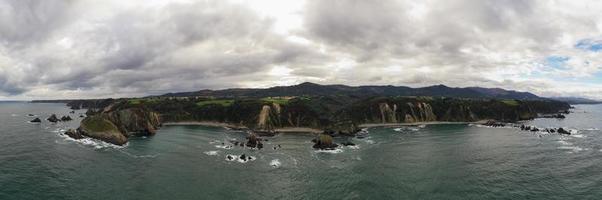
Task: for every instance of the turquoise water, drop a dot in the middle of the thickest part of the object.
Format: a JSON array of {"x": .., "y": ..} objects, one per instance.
[{"x": 189, "y": 162}]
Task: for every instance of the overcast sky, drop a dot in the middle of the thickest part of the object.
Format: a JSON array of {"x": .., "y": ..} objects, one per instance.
[{"x": 115, "y": 48}]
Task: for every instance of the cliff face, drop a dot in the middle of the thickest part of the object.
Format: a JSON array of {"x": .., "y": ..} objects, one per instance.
[{"x": 410, "y": 110}]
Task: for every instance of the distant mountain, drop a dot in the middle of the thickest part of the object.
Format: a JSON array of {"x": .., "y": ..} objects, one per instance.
[
  {"x": 576, "y": 100},
  {"x": 313, "y": 89}
]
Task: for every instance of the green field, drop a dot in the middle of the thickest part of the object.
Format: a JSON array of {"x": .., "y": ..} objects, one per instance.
[
  {"x": 281, "y": 101},
  {"x": 510, "y": 102},
  {"x": 222, "y": 102}
]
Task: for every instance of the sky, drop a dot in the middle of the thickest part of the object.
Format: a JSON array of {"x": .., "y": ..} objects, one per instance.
[{"x": 56, "y": 49}]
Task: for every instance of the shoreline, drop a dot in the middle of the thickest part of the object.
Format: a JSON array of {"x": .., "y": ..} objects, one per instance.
[
  {"x": 373, "y": 125},
  {"x": 232, "y": 126}
]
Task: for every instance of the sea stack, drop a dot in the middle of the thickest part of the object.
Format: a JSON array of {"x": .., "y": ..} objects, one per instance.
[
  {"x": 53, "y": 118},
  {"x": 324, "y": 142}
]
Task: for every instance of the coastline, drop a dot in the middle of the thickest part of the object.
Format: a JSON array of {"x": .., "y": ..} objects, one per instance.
[
  {"x": 373, "y": 125},
  {"x": 233, "y": 126}
]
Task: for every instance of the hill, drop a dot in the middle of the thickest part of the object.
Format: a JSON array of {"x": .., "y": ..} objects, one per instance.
[{"x": 312, "y": 89}]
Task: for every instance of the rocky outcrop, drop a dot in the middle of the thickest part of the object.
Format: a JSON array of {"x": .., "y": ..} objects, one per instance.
[
  {"x": 36, "y": 120},
  {"x": 74, "y": 134},
  {"x": 563, "y": 131},
  {"x": 99, "y": 127},
  {"x": 135, "y": 121},
  {"x": 53, "y": 118},
  {"x": 254, "y": 141},
  {"x": 116, "y": 125},
  {"x": 324, "y": 142},
  {"x": 66, "y": 118}
]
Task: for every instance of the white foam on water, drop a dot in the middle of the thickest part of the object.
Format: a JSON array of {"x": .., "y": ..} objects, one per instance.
[
  {"x": 96, "y": 144},
  {"x": 591, "y": 129},
  {"x": 333, "y": 151},
  {"x": 577, "y": 135},
  {"x": 59, "y": 130},
  {"x": 572, "y": 148},
  {"x": 565, "y": 142},
  {"x": 137, "y": 156},
  {"x": 422, "y": 126},
  {"x": 275, "y": 163},
  {"x": 355, "y": 147},
  {"x": 211, "y": 153},
  {"x": 370, "y": 141},
  {"x": 223, "y": 146}
]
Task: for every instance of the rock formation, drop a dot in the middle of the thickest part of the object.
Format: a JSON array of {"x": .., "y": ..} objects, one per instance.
[
  {"x": 53, "y": 118},
  {"x": 324, "y": 142},
  {"x": 116, "y": 123},
  {"x": 99, "y": 127},
  {"x": 74, "y": 134}
]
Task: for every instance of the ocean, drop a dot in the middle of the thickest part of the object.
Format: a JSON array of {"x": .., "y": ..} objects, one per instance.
[{"x": 190, "y": 162}]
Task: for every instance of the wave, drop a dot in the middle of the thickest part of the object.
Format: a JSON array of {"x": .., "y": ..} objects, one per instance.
[
  {"x": 573, "y": 148},
  {"x": 91, "y": 142},
  {"x": 333, "y": 151},
  {"x": 577, "y": 135},
  {"x": 565, "y": 143},
  {"x": 211, "y": 153},
  {"x": 137, "y": 156},
  {"x": 224, "y": 146}
]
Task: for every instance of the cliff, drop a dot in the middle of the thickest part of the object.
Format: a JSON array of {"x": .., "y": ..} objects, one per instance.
[{"x": 116, "y": 123}]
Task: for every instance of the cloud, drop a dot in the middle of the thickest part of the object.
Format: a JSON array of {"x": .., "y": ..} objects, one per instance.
[{"x": 75, "y": 49}]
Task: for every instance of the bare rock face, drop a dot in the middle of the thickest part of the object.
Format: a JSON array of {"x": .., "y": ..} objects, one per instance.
[
  {"x": 135, "y": 121},
  {"x": 115, "y": 126}
]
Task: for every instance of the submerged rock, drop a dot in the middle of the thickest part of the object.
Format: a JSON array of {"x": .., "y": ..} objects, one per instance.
[
  {"x": 36, "y": 120},
  {"x": 493, "y": 123},
  {"x": 348, "y": 143},
  {"x": 53, "y": 118},
  {"x": 563, "y": 131},
  {"x": 30, "y": 115},
  {"x": 74, "y": 134},
  {"x": 324, "y": 142}
]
